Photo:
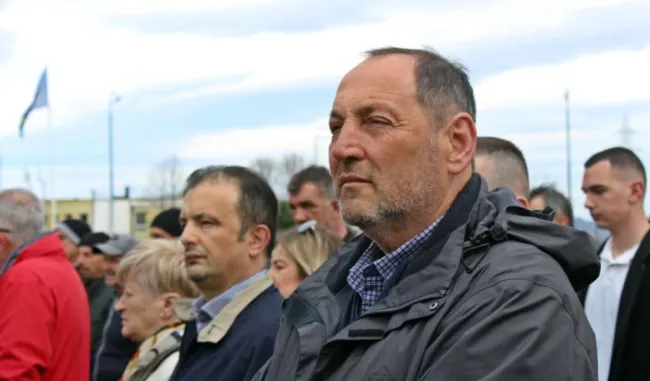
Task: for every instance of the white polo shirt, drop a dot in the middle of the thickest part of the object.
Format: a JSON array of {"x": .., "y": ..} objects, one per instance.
[{"x": 603, "y": 300}]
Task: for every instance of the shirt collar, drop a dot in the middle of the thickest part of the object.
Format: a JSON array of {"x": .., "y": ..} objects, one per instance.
[{"x": 206, "y": 311}]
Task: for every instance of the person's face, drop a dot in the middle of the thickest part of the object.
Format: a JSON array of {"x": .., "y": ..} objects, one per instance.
[
  {"x": 310, "y": 203},
  {"x": 158, "y": 233},
  {"x": 90, "y": 265},
  {"x": 111, "y": 263},
  {"x": 285, "y": 272},
  {"x": 215, "y": 253},
  {"x": 142, "y": 313},
  {"x": 609, "y": 198},
  {"x": 386, "y": 159}
]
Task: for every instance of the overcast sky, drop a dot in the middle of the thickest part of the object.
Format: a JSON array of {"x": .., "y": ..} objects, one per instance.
[{"x": 225, "y": 81}]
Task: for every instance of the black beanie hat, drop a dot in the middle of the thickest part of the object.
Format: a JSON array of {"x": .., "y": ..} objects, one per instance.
[
  {"x": 74, "y": 229},
  {"x": 169, "y": 221}
]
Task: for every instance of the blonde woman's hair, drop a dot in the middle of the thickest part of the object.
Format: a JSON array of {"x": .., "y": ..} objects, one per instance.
[
  {"x": 157, "y": 265},
  {"x": 309, "y": 248}
]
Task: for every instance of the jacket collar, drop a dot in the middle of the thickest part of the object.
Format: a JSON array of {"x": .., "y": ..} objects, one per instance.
[
  {"x": 43, "y": 245},
  {"x": 220, "y": 325},
  {"x": 428, "y": 276}
]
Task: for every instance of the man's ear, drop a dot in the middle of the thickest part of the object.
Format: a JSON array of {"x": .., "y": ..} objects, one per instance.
[
  {"x": 259, "y": 237},
  {"x": 460, "y": 142},
  {"x": 523, "y": 201},
  {"x": 336, "y": 206}
]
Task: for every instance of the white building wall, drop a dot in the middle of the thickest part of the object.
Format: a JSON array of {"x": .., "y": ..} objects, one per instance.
[{"x": 122, "y": 216}]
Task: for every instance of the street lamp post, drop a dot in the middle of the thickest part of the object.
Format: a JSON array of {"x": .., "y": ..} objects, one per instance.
[{"x": 111, "y": 178}]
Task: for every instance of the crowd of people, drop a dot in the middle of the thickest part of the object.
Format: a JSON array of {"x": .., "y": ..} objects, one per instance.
[{"x": 421, "y": 253}]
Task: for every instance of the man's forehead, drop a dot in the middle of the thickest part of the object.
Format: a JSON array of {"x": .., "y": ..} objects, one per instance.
[
  {"x": 308, "y": 191},
  {"x": 380, "y": 72}
]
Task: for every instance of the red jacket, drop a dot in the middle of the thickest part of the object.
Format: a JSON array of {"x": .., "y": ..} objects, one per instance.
[{"x": 44, "y": 316}]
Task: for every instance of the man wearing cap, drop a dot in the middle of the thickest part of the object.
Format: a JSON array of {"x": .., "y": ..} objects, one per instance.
[
  {"x": 114, "y": 250},
  {"x": 166, "y": 225},
  {"x": 71, "y": 231},
  {"x": 90, "y": 265},
  {"x": 115, "y": 351}
]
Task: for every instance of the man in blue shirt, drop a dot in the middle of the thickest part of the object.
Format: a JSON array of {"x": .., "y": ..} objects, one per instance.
[{"x": 229, "y": 219}]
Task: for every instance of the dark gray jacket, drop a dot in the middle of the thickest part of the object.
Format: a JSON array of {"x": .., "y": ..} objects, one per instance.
[{"x": 491, "y": 297}]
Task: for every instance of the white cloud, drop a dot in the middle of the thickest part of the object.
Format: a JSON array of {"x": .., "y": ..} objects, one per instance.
[
  {"x": 593, "y": 80},
  {"x": 88, "y": 59},
  {"x": 241, "y": 145}
]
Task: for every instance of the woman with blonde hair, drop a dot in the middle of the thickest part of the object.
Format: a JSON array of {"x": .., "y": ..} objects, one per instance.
[
  {"x": 152, "y": 277},
  {"x": 299, "y": 252}
]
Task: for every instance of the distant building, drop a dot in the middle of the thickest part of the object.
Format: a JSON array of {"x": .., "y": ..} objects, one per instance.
[{"x": 131, "y": 216}]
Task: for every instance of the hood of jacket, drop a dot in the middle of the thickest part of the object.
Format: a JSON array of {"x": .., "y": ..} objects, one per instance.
[
  {"x": 42, "y": 246},
  {"x": 497, "y": 215}
]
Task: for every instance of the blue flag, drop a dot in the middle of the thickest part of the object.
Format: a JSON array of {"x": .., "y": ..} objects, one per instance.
[{"x": 40, "y": 100}]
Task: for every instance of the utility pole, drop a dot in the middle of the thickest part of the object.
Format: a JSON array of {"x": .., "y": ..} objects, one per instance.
[
  {"x": 626, "y": 133},
  {"x": 111, "y": 186}
]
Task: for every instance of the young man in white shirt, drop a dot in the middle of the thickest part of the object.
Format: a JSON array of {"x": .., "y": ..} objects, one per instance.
[{"x": 617, "y": 303}]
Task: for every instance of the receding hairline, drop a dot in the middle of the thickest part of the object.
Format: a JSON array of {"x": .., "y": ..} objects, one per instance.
[
  {"x": 454, "y": 93},
  {"x": 623, "y": 162}
]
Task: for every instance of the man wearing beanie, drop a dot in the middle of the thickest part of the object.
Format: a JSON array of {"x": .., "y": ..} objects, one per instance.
[
  {"x": 71, "y": 231},
  {"x": 166, "y": 225}
]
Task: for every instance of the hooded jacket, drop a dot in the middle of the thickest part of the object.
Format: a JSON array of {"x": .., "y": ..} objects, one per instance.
[
  {"x": 490, "y": 297},
  {"x": 45, "y": 319}
]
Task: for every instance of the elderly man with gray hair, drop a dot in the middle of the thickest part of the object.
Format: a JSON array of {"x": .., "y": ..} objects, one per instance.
[{"x": 45, "y": 321}]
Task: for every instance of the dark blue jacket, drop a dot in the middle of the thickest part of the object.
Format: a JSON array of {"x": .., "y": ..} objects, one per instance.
[
  {"x": 237, "y": 342},
  {"x": 114, "y": 352}
]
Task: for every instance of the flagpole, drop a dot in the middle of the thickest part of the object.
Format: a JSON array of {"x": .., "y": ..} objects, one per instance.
[{"x": 53, "y": 206}]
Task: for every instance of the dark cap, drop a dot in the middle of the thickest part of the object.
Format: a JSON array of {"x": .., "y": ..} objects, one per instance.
[{"x": 92, "y": 239}]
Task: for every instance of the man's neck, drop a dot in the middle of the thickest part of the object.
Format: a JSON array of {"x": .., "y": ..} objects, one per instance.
[
  {"x": 629, "y": 233},
  {"x": 341, "y": 229},
  {"x": 392, "y": 235},
  {"x": 211, "y": 291}
]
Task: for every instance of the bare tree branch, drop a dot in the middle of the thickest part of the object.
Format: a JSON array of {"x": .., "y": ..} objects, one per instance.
[
  {"x": 166, "y": 181},
  {"x": 290, "y": 164},
  {"x": 265, "y": 167}
]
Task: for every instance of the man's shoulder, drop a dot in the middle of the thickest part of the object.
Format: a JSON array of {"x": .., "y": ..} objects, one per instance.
[
  {"x": 40, "y": 271},
  {"x": 264, "y": 312},
  {"x": 520, "y": 261}
]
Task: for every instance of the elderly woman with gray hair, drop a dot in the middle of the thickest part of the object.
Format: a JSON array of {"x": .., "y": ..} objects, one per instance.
[{"x": 153, "y": 277}]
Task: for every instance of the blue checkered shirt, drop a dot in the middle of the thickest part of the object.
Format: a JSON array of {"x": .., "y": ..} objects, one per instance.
[
  {"x": 368, "y": 277},
  {"x": 206, "y": 312}
]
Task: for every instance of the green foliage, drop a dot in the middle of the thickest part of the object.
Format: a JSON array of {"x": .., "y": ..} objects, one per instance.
[{"x": 285, "y": 220}]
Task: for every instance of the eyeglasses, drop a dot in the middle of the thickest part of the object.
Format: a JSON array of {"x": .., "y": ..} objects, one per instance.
[
  {"x": 307, "y": 226},
  {"x": 5, "y": 230}
]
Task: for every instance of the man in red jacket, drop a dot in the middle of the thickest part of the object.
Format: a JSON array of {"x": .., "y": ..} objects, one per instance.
[{"x": 44, "y": 315}]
